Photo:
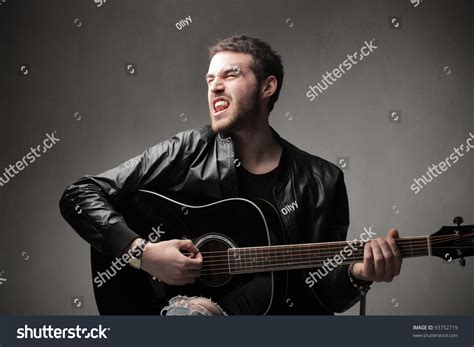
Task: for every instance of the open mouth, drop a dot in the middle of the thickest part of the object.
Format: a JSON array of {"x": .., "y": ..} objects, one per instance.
[{"x": 219, "y": 105}]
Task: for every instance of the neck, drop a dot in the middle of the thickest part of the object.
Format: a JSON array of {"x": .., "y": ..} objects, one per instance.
[
  {"x": 257, "y": 149},
  {"x": 301, "y": 256}
]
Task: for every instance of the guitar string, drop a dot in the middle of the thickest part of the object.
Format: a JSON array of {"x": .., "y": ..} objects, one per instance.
[
  {"x": 283, "y": 265},
  {"x": 296, "y": 255},
  {"x": 324, "y": 246},
  {"x": 275, "y": 267},
  {"x": 324, "y": 254},
  {"x": 309, "y": 260},
  {"x": 305, "y": 248},
  {"x": 413, "y": 245},
  {"x": 307, "y": 254},
  {"x": 301, "y": 256},
  {"x": 272, "y": 267},
  {"x": 302, "y": 251}
]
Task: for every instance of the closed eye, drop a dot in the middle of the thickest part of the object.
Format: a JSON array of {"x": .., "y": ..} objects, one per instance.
[
  {"x": 227, "y": 75},
  {"x": 232, "y": 75}
]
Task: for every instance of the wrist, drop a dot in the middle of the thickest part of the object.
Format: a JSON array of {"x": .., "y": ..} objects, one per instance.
[
  {"x": 132, "y": 245},
  {"x": 361, "y": 284},
  {"x": 136, "y": 250},
  {"x": 355, "y": 272}
]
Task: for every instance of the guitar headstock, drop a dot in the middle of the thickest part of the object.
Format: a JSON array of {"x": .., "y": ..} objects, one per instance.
[{"x": 453, "y": 242}]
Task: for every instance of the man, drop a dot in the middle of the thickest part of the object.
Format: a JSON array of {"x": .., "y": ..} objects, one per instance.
[{"x": 238, "y": 155}]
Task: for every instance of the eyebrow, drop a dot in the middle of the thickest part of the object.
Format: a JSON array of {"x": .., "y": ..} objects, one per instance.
[{"x": 229, "y": 69}]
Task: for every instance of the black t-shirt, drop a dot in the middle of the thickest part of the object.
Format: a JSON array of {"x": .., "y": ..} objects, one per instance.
[{"x": 252, "y": 186}]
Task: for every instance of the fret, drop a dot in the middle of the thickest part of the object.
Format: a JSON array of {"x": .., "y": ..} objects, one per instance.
[
  {"x": 288, "y": 253},
  {"x": 278, "y": 258},
  {"x": 253, "y": 252},
  {"x": 252, "y": 258},
  {"x": 257, "y": 257},
  {"x": 330, "y": 252},
  {"x": 244, "y": 258},
  {"x": 309, "y": 252},
  {"x": 319, "y": 253},
  {"x": 284, "y": 256},
  {"x": 268, "y": 256},
  {"x": 359, "y": 253},
  {"x": 271, "y": 255},
  {"x": 300, "y": 253},
  {"x": 229, "y": 259},
  {"x": 237, "y": 260},
  {"x": 314, "y": 252},
  {"x": 259, "y": 253}
]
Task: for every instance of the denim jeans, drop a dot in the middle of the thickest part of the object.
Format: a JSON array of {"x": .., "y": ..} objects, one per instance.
[{"x": 186, "y": 306}]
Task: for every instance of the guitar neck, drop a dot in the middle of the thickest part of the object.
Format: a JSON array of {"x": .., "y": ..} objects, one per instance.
[{"x": 308, "y": 255}]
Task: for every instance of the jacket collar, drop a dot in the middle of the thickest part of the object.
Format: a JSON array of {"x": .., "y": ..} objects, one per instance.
[
  {"x": 286, "y": 159},
  {"x": 287, "y": 155}
]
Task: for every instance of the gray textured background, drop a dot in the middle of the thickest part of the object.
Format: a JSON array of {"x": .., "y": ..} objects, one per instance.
[{"x": 79, "y": 71}]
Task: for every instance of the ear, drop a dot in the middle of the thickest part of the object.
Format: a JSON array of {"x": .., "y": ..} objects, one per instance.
[{"x": 269, "y": 87}]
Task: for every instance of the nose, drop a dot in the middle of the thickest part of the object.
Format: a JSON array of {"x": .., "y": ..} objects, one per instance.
[{"x": 216, "y": 84}]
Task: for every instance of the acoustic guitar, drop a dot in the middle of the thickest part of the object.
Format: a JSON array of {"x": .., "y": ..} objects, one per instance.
[{"x": 247, "y": 267}]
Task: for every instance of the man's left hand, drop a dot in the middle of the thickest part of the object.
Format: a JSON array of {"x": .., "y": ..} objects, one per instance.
[{"x": 382, "y": 259}]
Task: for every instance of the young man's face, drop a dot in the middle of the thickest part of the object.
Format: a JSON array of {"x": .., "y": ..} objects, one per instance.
[{"x": 233, "y": 91}]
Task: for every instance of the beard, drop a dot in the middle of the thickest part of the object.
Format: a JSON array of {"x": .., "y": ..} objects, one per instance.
[{"x": 244, "y": 111}]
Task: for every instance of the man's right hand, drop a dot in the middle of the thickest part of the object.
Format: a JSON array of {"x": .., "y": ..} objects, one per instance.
[{"x": 165, "y": 261}]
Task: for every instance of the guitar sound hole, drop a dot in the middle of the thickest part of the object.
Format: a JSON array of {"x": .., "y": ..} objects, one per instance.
[{"x": 215, "y": 269}]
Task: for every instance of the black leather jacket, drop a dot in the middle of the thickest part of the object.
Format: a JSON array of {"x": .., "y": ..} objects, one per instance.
[{"x": 310, "y": 194}]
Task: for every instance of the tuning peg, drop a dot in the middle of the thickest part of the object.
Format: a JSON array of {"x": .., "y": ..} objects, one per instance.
[
  {"x": 462, "y": 262},
  {"x": 458, "y": 220}
]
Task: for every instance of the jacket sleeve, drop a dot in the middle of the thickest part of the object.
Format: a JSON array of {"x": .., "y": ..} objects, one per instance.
[
  {"x": 89, "y": 205},
  {"x": 335, "y": 290}
]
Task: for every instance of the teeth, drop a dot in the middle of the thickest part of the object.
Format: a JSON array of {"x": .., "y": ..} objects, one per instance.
[{"x": 221, "y": 104}]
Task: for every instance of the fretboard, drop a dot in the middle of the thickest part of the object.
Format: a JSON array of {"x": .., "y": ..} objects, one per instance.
[{"x": 300, "y": 256}]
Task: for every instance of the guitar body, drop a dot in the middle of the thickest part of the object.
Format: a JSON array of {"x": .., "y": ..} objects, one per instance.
[{"x": 215, "y": 227}]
